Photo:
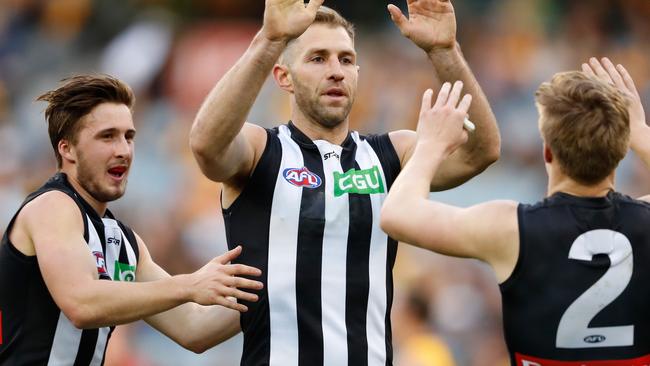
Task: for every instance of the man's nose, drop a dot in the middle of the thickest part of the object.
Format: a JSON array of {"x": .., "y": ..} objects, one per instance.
[
  {"x": 122, "y": 148},
  {"x": 336, "y": 71}
]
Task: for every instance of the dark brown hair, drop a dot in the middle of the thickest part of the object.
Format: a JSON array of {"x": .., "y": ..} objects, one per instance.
[
  {"x": 586, "y": 124},
  {"x": 77, "y": 97}
]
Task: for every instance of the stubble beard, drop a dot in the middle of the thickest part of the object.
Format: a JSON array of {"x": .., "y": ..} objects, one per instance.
[
  {"x": 328, "y": 117},
  {"x": 91, "y": 183}
]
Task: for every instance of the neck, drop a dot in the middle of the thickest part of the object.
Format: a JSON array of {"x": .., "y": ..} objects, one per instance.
[
  {"x": 568, "y": 185},
  {"x": 99, "y": 207},
  {"x": 316, "y": 131}
]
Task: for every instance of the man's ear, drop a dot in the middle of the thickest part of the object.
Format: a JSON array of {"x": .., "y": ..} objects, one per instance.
[
  {"x": 67, "y": 151},
  {"x": 282, "y": 77},
  {"x": 548, "y": 154}
]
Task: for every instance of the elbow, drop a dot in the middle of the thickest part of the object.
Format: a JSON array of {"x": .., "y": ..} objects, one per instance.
[
  {"x": 196, "y": 347},
  {"x": 80, "y": 316},
  {"x": 491, "y": 155},
  {"x": 479, "y": 164},
  {"x": 198, "y": 144},
  {"x": 389, "y": 221}
]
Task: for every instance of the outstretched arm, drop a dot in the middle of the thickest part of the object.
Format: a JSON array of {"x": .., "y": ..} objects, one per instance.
[
  {"x": 198, "y": 327},
  {"x": 223, "y": 145},
  {"x": 90, "y": 302},
  {"x": 639, "y": 130},
  {"x": 487, "y": 231},
  {"x": 431, "y": 25}
]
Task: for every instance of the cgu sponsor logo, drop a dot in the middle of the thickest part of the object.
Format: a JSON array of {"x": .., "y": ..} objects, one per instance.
[
  {"x": 124, "y": 272},
  {"x": 367, "y": 181},
  {"x": 302, "y": 177},
  {"x": 101, "y": 262}
]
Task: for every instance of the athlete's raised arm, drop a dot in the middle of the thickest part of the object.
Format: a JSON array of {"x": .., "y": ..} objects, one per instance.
[
  {"x": 70, "y": 273},
  {"x": 225, "y": 147},
  {"x": 486, "y": 231},
  {"x": 431, "y": 25},
  {"x": 639, "y": 130}
]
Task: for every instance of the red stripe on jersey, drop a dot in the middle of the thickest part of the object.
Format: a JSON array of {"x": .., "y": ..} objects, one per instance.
[{"x": 523, "y": 360}]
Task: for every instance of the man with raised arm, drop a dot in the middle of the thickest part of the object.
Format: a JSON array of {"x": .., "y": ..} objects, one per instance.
[
  {"x": 573, "y": 267},
  {"x": 70, "y": 271},
  {"x": 304, "y": 197}
]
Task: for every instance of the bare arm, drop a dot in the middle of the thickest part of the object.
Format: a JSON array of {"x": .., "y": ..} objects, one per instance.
[
  {"x": 432, "y": 27},
  {"x": 87, "y": 301},
  {"x": 487, "y": 231},
  {"x": 224, "y": 147},
  {"x": 639, "y": 130},
  {"x": 193, "y": 326}
]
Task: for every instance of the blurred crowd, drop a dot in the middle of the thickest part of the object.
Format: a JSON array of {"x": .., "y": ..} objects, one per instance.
[{"x": 173, "y": 51}]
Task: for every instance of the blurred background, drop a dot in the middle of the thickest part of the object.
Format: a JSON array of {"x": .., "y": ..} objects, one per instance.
[{"x": 447, "y": 310}]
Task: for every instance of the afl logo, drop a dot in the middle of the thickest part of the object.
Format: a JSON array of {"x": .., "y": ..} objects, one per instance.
[
  {"x": 302, "y": 177},
  {"x": 596, "y": 338}
]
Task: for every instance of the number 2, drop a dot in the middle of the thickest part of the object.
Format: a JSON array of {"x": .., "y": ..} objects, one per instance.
[{"x": 573, "y": 330}]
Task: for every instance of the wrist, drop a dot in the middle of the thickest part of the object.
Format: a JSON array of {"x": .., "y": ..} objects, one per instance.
[
  {"x": 271, "y": 39},
  {"x": 182, "y": 288},
  {"x": 431, "y": 151},
  {"x": 445, "y": 54}
]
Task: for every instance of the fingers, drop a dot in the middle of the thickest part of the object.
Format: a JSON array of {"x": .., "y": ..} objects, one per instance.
[
  {"x": 242, "y": 295},
  {"x": 231, "y": 304},
  {"x": 599, "y": 70},
  {"x": 241, "y": 269},
  {"x": 613, "y": 73},
  {"x": 455, "y": 94},
  {"x": 229, "y": 255},
  {"x": 426, "y": 101},
  {"x": 314, "y": 5},
  {"x": 627, "y": 79},
  {"x": 465, "y": 103},
  {"x": 398, "y": 18},
  {"x": 443, "y": 95},
  {"x": 588, "y": 70},
  {"x": 246, "y": 283}
]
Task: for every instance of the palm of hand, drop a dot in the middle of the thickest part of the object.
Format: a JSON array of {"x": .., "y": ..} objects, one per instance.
[
  {"x": 432, "y": 24},
  {"x": 286, "y": 19},
  {"x": 637, "y": 114}
]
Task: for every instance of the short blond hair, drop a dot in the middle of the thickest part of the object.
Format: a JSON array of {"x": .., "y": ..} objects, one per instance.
[{"x": 586, "y": 124}]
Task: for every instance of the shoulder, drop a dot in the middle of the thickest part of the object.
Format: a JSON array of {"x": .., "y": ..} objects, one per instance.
[
  {"x": 403, "y": 141},
  {"x": 53, "y": 204}
]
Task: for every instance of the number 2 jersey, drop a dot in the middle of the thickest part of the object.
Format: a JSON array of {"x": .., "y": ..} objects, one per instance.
[
  {"x": 579, "y": 294},
  {"x": 33, "y": 330}
]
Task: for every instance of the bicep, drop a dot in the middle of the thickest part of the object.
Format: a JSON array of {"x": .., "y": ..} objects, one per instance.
[{"x": 64, "y": 258}]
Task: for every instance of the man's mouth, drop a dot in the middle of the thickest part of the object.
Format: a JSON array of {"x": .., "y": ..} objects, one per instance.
[
  {"x": 118, "y": 171},
  {"x": 335, "y": 92}
]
